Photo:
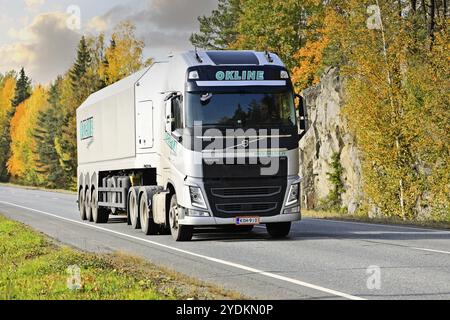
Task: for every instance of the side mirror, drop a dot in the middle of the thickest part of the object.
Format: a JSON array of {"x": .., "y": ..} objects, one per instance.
[
  {"x": 168, "y": 119},
  {"x": 302, "y": 116}
]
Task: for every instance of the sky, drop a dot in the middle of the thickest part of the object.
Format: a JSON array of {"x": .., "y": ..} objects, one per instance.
[{"x": 42, "y": 35}]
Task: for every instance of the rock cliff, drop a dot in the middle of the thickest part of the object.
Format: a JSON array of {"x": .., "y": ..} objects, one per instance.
[{"x": 328, "y": 134}]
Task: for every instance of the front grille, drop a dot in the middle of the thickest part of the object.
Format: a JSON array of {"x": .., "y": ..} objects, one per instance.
[
  {"x": 241, "y": 190},
  {"x": 247, "y": 208},
  {"x": 245, "y": 192}
]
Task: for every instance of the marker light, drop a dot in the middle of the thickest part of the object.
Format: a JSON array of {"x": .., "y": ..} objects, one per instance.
[
  {"x": 193, "y": 75},
  {"x": 284, "y": 74}
]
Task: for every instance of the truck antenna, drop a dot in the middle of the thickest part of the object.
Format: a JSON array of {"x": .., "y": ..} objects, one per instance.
[
  {"x": 199, "y": 59},
  {"x": 268, "y": 56}
]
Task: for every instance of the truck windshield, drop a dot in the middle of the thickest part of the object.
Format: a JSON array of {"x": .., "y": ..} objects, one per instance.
[{"x": 247, "y": 110}]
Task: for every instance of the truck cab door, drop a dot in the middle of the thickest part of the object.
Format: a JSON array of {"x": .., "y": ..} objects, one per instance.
[{"x": 145, "y": 124}]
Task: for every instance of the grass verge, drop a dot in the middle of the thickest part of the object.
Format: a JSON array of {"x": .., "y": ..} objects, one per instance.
[
  {"x": 387, "y": 220},
  {"x": 33, "y": 266},
  {"x": 36, "y": 188}
]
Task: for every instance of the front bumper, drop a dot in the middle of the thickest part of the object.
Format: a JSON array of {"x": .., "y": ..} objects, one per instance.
[{"x": 211, "y": 221}]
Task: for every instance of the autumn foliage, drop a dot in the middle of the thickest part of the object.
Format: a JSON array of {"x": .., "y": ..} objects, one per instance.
[{"x": 38, "y": 125}]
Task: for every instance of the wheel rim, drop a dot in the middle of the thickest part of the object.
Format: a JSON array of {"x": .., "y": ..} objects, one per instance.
[
  {"x": 87, "y": 203},
  {"x": 133, "y": 208},
  {"x": 82, "y": 206},
  {"x": 173, "y": 216},
  {"x": 144, "y": 213},
  {"x": 94, "y": 207}
]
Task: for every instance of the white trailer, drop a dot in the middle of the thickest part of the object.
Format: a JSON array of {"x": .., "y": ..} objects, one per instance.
[{"x": 148, "y": 146}]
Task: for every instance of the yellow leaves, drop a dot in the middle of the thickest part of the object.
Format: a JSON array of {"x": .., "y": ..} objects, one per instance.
[
  {"x": 310, "y": 61},
  {"x": 124, "y": 55},
  {"x": 6, "y": 94},
  {"x": 22, "y": 164}
]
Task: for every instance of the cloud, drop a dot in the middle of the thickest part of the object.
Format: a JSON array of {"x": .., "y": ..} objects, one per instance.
[
  {"x": 45, "y": 48},
  {"x": 164, "y": 25}
]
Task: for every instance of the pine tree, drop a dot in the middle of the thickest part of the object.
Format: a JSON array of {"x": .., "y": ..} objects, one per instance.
[
  {"x": 82, "y": 63},
  {"x": 218, "y": 31},
  {"x": 48, "y": 128},
  {"x": 23, "y": 89}
]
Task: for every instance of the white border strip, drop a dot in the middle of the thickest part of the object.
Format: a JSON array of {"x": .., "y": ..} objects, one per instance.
[
  {"x": 240, "y": 83},
  {"x": 220, "y": 261}
]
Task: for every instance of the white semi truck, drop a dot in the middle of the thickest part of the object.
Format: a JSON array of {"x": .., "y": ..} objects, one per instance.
[{"x": 204, "y": 139}]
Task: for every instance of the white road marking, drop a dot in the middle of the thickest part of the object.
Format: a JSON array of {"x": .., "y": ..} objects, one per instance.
[
  {"x": 220, "y": 261},
  {"x": 418, "y": 233},
  {"x": 431, "y": 250},
  {"x": 373, "y": 224}
]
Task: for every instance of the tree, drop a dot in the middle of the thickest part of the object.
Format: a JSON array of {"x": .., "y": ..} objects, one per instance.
[
  {"x": 82, "y": 63},
  {"x": 23, "y": 89},
  {"x": 7, "y": 91},
  {"x": 218, "y": 31},
  {"x": 48, "y": 128},
  {"x": 22, "y": 163},
  {"x": 124, "y": 55}
]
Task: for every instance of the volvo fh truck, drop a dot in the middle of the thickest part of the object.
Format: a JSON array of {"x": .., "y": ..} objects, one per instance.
[{"x": 203, "y": 140}]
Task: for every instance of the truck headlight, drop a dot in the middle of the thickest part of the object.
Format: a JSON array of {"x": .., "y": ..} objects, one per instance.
[
  {"x": 293, "y": 196},
  {"x": 197, "y": 199}
]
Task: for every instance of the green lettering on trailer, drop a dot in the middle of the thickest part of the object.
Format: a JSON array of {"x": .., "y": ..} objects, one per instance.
[
  {"x": 171, "y": 142},
  {"x": 87, "y": 129}
]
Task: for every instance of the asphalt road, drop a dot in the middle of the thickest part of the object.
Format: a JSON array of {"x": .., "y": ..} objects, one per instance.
[{"x": 320, "y": 260}]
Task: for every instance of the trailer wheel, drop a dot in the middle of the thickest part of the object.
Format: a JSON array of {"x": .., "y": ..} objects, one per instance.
[
  {"x": 148, "y": 226},
  {"x": 99, "y": 214},
  {"x": 278, "y": 230},
  {"x": 134, "y": 209},
  {"x": 81, "y": 205},
  {"x": 87, "y": 204},
  {"x": 179, "y": 233}
]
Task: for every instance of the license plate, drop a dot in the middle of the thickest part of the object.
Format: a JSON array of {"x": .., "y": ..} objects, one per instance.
[{"x": 247, "y": 220}]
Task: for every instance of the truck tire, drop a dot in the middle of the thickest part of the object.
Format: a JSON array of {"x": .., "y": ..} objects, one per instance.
[
  {"x": 179, "y": 233},
  {"x": 148, "y": 226},
  {"x": 87, "y": 205},
  {"x": 81, "y": 205},
  {"x": 99, "y": 214},
  {"x": 133, "y": 208},
  {"x": 278, "y": 230}
]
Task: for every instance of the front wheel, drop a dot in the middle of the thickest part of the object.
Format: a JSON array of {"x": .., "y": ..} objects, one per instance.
[
  {"x": 179, "y": 233},
  {"x": 278, "y": 230}
]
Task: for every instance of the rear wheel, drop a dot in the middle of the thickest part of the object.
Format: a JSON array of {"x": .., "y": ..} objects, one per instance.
[
  {"x": 179, "y": 232},
  {"x": 87, "y": 204},
  {"x": 278, "y": 230},
  {"x": 81, "y": 205},
  {"x": 146, "y": 216},
  {"x": 134, "y": 209},
  {"x": 99, "y": 215}
]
